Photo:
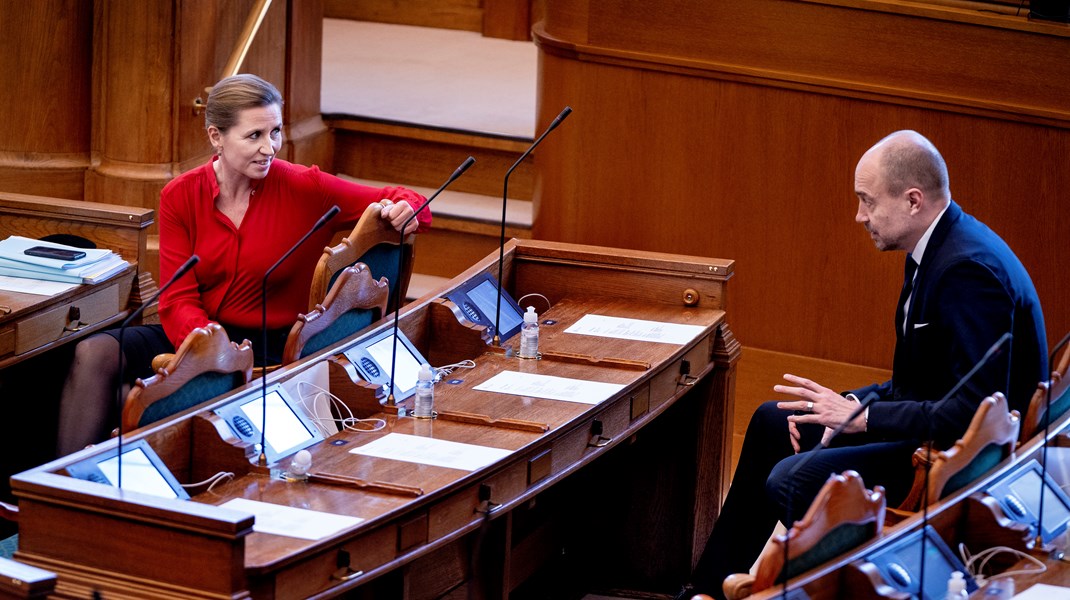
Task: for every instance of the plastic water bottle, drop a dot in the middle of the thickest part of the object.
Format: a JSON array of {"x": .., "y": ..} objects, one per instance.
[
  {"x": 956, "y": 587},
  {"x": 529, "y": 335},
  {"x": 425, "y": 393}
]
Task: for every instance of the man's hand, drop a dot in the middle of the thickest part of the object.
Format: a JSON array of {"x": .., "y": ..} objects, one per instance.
[
  {"x": 816, "y": 404},
  {"x": 397, "y": 213}
]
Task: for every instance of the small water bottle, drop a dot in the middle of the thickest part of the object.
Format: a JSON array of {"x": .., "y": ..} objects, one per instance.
[
  {"x": 956, "y": 587},
  {"x": 425, "y": 393},
  {"x": 529, "y": 335}
]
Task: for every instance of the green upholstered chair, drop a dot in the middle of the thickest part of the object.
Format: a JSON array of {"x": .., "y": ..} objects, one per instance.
[
  {"x": 990, "y": 438},
  {"x": 375, "y": 243},
  {"x": 843, "y": 515},
  {"x": 1059, "y": 386},
  {"x": 355, "y": 301},
  {"x": 206, "y": 365}
]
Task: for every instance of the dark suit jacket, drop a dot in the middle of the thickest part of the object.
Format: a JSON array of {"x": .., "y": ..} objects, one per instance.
[{"x": 970, "y": 289}]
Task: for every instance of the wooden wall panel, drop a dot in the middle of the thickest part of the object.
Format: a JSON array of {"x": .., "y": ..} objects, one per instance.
[
  {"x": 446, "y": 14},
  {"x": 45, "y": 90},
  {"x": 133, "y": 102},
  {"x": 665, "y": 154}
]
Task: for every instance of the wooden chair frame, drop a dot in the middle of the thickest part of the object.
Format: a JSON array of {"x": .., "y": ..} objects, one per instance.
[
  {"x": 370, "y": 231},
  {"x": 993, "y": 423},
  {"x": 206, "y": 349},
  {"x": 843, "y": 499},
  {"x": 354, "y": 288},
  {"x": 1058, "y": 384}
]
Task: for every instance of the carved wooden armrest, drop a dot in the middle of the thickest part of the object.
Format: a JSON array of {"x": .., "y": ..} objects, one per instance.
[
  {"x": 9, "y": 512},
  {"x": 737, "y": 585},
  {"x": 161, "y": 360}
]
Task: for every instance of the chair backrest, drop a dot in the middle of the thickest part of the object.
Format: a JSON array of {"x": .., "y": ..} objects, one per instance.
[
  {"x": 990, "y": 438},
  {"x": 373, "y": 242},
  {"x": 206, "y": 365},
  {"x": 355, "y": 301},
  {"x": 1059, "y": 386},
  {"x": 843, "y": 515}
]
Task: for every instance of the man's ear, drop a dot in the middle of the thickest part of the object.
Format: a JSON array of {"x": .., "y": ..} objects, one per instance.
[{"x": 917, "y": 200}]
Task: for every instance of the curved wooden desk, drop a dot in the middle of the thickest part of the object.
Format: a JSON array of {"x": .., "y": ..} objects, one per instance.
[{"x": 610, "y": 483}]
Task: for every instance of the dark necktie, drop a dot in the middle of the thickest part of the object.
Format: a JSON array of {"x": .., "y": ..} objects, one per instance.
[{"x": 909, "y": 268}]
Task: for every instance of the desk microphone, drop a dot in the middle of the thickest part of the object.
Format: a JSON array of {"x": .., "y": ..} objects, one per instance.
[
  {"x": 505, "y": 199},
  {"x": 1039, "y": 541},
  {"x": 327, "y": 216},
  {"x": 992, "y": 352},
  {"x": 869, "y": 399},
  {"x": 186, "y": 266},
  {"x": 468, "y": 162}
]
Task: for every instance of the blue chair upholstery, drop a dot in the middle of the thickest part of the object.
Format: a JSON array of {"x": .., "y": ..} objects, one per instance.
[
  {"x": 355, "y": 301},
  {"x": 206, "y": 365}
]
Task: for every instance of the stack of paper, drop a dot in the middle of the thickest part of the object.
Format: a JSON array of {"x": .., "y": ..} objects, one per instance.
[{"x": 97, "y": 264}]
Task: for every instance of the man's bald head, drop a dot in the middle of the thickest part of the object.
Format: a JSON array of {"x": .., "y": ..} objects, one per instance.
[{"x": 908, "y": 159}]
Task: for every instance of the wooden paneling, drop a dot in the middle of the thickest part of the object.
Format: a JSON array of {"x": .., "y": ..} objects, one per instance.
[
  {"x": 508, "y": 19},
  {"x": 670, "y": 150},
  {"x": 45, "y": 59},
  {"x": 445, "y": 14}
]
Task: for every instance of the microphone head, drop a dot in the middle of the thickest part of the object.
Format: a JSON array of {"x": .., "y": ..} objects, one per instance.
[{"x": 560, "y": 117}]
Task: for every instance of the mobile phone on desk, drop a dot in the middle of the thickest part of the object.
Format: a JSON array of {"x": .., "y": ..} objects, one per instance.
[{"x": 54, "y": 253}]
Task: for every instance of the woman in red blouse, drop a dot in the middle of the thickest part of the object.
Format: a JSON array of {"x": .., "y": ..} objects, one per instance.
[{"x": 239, "y": 212}]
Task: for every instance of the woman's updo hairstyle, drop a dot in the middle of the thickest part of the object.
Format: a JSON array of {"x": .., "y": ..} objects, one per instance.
[{"x": 234, "y": 94}]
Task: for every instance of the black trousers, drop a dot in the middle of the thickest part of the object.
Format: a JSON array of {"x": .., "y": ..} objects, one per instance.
[{"x": 769, "y": 486}]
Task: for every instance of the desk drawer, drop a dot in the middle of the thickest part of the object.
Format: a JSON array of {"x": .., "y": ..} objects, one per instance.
[
  {"x": 7, "y": 341},
  {"x": 460, "y": 509},
  {"x": 668, "y": 383},
  {"x": 577, "y": 444},
  {"x": 327, "y": 569},
  {"x": 52, "y": 325}
]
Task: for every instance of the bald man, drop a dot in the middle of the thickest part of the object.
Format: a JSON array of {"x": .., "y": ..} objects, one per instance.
[{"x": 963, "y": 290}]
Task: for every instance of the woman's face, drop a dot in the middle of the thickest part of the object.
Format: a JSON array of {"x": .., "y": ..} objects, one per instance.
[{"x": 248, "y": 147}]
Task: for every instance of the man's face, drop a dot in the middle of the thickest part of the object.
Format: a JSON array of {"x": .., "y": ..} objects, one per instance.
[{"x": 887, "y": 218}]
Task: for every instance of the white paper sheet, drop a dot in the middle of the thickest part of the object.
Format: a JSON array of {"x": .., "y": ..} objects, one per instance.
[
  {"x": 549, "y": 387},
  {"x": 292, "y": 522},
  {"x": 635, "y": 329},
  {"x": 34, "y": 286},
  {"x": 1043, "y": 591},
  {"x": 428, "y": 451}
]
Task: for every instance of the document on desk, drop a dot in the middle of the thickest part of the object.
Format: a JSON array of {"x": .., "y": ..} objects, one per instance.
[
  {"x": 429, "y": 451},
  {"x": 291, "y": 522},
  {"x": 549, "y": 387},
  {"x": 1043, "y": 591},
  {"x": 38, "y": 287},
  {"x": 635, "y": 329}
]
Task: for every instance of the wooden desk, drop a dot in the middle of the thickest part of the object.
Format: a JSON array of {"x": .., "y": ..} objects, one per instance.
[
  {"x": 35, "y": 323},
  {"x": 565, "y": 499}
]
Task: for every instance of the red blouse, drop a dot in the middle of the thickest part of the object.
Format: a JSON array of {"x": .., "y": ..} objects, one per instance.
[{"x": 225, "y": 285}]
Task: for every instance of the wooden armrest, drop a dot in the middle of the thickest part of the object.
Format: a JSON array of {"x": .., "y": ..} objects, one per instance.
[
  {"x": 9, "y": 512},
  {"x": 737, "y": 586},
  {"x": 894, "y": 516},
  {"x": 161, "y": 360}
]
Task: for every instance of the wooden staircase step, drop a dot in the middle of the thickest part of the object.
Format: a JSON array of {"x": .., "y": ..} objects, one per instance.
[
  {"x": 425, "y": 156},
  {"x": 471, "y": 213}
]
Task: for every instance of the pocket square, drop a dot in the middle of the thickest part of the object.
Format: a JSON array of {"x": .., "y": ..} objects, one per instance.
[{"x": 920, "y": 325}]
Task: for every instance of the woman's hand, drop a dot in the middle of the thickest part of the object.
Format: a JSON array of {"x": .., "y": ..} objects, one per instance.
[{"x": 397, "y": 213}]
